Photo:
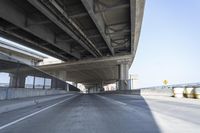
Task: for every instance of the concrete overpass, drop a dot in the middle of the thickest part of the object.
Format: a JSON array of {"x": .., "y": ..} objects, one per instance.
[
  {"x": 97, "y": 39},
  {"x": 21, "y": 54}
]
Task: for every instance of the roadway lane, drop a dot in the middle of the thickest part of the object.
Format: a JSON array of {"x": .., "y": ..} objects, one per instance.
[
  {"x": 170, "y": 114},
  {"x": 111, "y": 114},
  {"x": 87, "y": 114}
]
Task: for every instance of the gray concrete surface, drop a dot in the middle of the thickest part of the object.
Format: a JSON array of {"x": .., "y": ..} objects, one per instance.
[
  {"x": 107, "y": 113},
  {"x": 11, "y": 93},
  {"x": 168, "y": 92},
  {"x": 79, "y": 35},
  {"x": 10, "y": 105}
]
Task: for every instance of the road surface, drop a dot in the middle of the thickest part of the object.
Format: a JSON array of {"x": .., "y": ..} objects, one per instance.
[{"x": 108, "y": 113}]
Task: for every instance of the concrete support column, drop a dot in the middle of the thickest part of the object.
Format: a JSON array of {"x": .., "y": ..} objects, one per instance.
[
  {"x": 17, "y": 81},
  {"x": 67, "y": 87},
  {"x": 102, "y": 84},
  {"x": 13, "y": 80},
  {"x": 53, "y": 83},
  {"x": 21, "y": 81},
  {"x": 123, "y": 76},
  {"x": 96, "y": 88}
]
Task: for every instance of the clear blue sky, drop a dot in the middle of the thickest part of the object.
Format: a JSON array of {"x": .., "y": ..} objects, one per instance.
[{"x": 169, "y": 46}]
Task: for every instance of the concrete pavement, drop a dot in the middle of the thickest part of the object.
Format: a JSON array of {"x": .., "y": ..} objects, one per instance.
[{"x": 106, "y": 113}]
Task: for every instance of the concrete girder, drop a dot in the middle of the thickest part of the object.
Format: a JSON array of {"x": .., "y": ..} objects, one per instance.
[
  {"x": 99, "y": 22},
  {"x": 102, "y": 59},
  {"x": 62, "y": 11},
  {"x": 32, "y": 42},
  {"x": 137, "y": 11},
  {"x": 37, "y": 23},
  {"x": 20, "y": 20},
  {"x": 110, "y": 8},
  {"x": 77, "y": 15},
  {"x": 118, "y": 27},
  {"x": 71, "y": 40},
  {"x": 90, "y": 70},
  {"x": 62, "y": 25},
  {"x": 118, "y": 32}
]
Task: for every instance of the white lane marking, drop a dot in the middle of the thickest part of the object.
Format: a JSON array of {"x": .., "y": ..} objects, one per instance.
[
  {"x": 25, "y": 117},
  {"x": 111, "y": 100}
]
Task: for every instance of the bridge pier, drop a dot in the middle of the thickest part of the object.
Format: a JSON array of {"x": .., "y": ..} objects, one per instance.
[
  {"x": 123, "y": 76},
  {"x": 17, "y": 80}
]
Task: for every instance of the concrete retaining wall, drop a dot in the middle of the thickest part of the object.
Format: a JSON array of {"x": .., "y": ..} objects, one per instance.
[{"x": 11, "y": 93}]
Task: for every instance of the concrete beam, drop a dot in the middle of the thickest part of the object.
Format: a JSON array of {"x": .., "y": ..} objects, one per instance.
[
  {"x": 37, "y": 23},
  {"x": 118, "y": 32},
  {"x": 137, "y": 11},
  {"x": 77, "y": 15},
  {"x": 110, "y": 8},
  {"x": 76, "y": 27},
  {"x": 60, "y": 23},
  {"x": 26, "y": 40},
  {"x": 19, "y": 19},
  {"x": 88, "y": 61},
  {"x": 99, "y": 22}
]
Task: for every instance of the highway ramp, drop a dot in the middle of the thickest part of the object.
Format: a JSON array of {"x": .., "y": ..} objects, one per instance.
[{"x": 105, "y": 113}]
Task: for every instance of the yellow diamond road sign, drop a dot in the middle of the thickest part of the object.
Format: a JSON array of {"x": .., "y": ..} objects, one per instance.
[{"x": 165, "y": 82}]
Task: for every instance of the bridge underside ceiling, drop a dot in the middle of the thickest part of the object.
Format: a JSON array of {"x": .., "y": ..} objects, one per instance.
[
  {"x": 76, "y": 31},
  {"x": 71, "y": 29}
]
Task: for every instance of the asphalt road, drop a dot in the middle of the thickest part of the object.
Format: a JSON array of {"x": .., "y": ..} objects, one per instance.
[{"x": 104, "y": 114}]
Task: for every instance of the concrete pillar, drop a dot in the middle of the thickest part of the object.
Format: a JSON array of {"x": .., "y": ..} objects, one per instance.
[
  {"x": 13, "y": 80},
  {"x": 96, "y": 88},
  {"x": 54, "y": 83},
  {"x": 17, "y": 81},
  {"x": 21, "y": 81},
  {"x": 123, "y": 76},
  {"x": 67, "y": 87},
  {"x": 102, "y": 84}
]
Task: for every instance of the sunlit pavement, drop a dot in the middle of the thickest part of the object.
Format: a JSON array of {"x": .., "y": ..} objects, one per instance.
[{"x": 108, "y": 113}]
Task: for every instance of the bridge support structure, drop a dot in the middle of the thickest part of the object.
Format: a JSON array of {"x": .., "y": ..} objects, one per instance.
[{"x": 123, "y": 76}]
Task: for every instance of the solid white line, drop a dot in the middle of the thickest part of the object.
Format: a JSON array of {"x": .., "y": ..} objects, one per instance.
[
  {"x": 111, "y": 100},
  {"x": 25, "y": 117}
]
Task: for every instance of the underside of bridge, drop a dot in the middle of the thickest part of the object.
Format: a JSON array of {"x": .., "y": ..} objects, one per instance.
[{"x": 97, "y": 39}]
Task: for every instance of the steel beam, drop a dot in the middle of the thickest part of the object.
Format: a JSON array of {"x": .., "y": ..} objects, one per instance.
[
  {"x": 19, "y": 19},
  {"x": 99, "y": 22}
]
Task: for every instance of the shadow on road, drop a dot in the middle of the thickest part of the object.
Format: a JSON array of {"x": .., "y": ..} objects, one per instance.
[{"x": 133, "y": 114}]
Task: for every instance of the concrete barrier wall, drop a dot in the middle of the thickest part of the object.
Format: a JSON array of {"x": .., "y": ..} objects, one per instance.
[
  {"x": 157, "y": 91},
  {"x": 11, "y": 93},
  {"x": 145, "y": 91},
  {"x": 25, "y": 102}
]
